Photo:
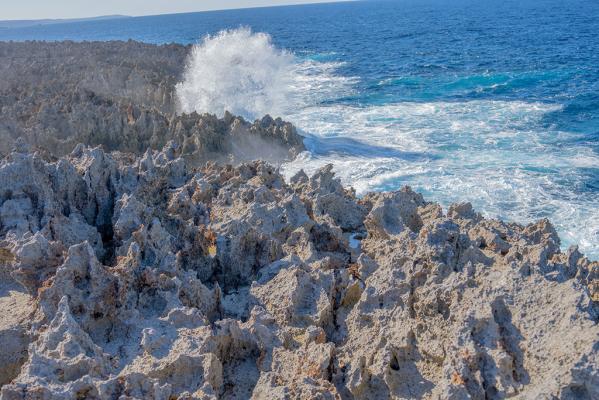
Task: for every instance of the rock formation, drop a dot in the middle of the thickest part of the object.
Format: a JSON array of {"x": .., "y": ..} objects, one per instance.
[
  {"x": 144, "y": 278},
  {"x": 154, "y": 262},
  {"x": 120, "y": 95}
]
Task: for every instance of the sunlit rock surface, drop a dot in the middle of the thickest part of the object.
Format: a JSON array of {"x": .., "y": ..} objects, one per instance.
[
  {"x": 139, "y": 277},
  {"x": 120, "y": 95}
]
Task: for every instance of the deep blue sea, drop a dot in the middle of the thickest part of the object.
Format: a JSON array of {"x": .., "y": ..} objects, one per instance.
[{"x": 493, "y": 102}]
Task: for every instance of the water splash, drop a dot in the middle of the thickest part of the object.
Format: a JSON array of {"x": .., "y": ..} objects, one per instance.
[
  {"x": 498, "y": 154},
  {"x": 243, "y": 72},
  {"x": 237, "y": 71}
]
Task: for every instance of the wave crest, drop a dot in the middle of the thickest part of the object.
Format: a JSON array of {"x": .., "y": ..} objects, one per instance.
[
  {"x": 238, "y": 71},
  {"x": 243, "y": 72}
]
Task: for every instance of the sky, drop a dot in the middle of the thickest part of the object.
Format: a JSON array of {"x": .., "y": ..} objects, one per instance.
[{"x": 52, "y": 9}]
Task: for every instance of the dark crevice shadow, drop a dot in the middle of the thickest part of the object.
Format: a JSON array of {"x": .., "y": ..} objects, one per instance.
[
  {"x": 508, "y": 338},
  {"x": 511, "y": 339},
  {"x": 404, "y": 378}
]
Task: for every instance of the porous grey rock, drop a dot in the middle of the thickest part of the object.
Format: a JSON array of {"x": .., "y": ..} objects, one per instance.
[
  {"x": 150, "y": 279},
  {"x": 120, "y": 95}
]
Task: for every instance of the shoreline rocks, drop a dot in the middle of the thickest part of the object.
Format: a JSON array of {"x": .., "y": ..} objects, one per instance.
[
  {"x": 148, "y": 278},
  {"x": 162, "y": 264},
  {"x": 120, "y": 95}
]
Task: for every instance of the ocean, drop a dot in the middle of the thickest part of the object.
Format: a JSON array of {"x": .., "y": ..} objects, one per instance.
[{"x": 496, "y": 103}]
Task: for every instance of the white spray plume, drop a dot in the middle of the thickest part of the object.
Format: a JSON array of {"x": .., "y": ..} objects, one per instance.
[{"x": 238, "y": 71}]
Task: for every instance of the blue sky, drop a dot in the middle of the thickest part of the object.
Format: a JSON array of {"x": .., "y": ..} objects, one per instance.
[{"x": 40, "y": 9}]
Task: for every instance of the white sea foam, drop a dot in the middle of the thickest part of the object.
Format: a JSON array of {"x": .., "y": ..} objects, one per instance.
[
  {"x": 238, "y": 71},
  {"x": 496, "y": 154},
  {"x": 243, "y": 72}
]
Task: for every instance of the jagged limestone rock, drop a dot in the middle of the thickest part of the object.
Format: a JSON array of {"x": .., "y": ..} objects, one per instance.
[
  {"x": 120, "y": 95},
  {"x": 150, "y": 279}
]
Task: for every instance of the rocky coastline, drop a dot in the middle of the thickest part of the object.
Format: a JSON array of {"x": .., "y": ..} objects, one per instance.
[
  {"x": 145, "y": 254},
  {"x": 121, "y": 96}
]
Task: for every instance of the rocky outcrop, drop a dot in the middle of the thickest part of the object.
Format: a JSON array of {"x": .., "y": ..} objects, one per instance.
[
  {"x": 120, "y": 95},
  {"x": 154, "y": 280}
]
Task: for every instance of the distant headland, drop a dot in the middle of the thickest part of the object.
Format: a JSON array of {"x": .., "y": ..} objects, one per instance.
[{"x": 22, "y": 23}]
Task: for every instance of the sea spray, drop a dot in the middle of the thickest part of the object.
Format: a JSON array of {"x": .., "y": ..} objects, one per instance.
[
  {"x": 238, "y": 71},
  {"x": 243, "y": 72},
  {"x": 499, "y": 154}
]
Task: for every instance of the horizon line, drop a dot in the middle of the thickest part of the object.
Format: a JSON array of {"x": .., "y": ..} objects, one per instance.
[{"x": 117, "y": 16}]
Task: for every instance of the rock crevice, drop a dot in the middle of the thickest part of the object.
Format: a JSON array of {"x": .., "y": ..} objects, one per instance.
[{"x": 151, "y": 279}]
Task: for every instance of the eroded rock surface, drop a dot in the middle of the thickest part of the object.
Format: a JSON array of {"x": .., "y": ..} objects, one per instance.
[
  {"x": 152, "y": 280},
  {"x": 16, "y": 308},
  {"x": 120, "y": 95}
]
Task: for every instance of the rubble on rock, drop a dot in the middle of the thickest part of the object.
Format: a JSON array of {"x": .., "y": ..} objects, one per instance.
[
  {"x": 56, "y": 95},
  {"x": 154, "y": 280}
]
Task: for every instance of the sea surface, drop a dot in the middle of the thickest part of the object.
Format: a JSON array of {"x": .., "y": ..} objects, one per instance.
[{"x": 492, "y": 102}]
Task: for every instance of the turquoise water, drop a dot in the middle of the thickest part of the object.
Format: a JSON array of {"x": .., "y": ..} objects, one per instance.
[{"x": 492, "y": 102}]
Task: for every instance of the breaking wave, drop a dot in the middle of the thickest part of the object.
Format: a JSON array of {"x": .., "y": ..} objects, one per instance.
[
  {"x": 501, "y": 155},
  {"x": 243, "y": 72},
  {"x": 498, "y": 155}
]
